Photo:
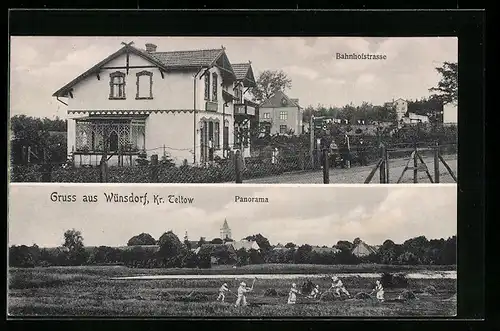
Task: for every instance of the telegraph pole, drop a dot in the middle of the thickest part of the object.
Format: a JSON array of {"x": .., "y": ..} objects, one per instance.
[{"x": 311, "y": 139}]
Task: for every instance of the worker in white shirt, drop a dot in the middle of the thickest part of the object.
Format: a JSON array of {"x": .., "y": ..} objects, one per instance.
[
  {"x": 222, "y": 292},
  {"x": 338, "y": 287},
  {"x": 380, "y": 291},
  {"x": 242, "y": 291},
  {"x": 314, "y": 292},
  {"x": 292, "y": 295}
]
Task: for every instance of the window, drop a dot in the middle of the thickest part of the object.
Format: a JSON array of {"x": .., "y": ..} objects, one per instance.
[
  {"x": 216, "y": 135},
  {"x": 283, "y": 129},
  {"x": 144, "y": 85},
  {"x": 266, "y": 115},
  {"x": 239, "y": 95},
  {"x": 225, "y": 137},
  {"x": 283, "y": 115},
  {"x": 113, "y": 142},
  {"x": 214, "y": 87},
  {"x": 117, "y": 85},
  {"x": 207, "y": 86}
]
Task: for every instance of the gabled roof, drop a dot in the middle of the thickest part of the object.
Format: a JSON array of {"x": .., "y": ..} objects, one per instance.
[
  {"x": 363, "y": 249},
  {"x": 275, "y": 101},
  {"x": 246, "y": 244},
  {"x": 244, "y": 73},
  {"x": 193, "y": 59}
]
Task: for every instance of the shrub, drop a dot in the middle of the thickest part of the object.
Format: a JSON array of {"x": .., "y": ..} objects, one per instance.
[{"x": 389, "y": 280}]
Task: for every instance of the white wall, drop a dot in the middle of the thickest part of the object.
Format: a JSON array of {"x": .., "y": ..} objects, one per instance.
[
  {"x": 175, "y": 91},
  {"x": 293, "y": 121}
]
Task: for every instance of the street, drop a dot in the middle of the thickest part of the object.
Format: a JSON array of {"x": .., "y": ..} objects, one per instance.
[{"x": 358, "y": 174}]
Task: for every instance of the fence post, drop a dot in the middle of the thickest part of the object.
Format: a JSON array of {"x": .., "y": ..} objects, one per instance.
[
  {"x": 386, "y": 161},
  {"x": 415, "y": 166},
  {"x": 103, "y": 165},
  {"x": 436, "y": 163},
  {"x": 237, "y": 167},
  {"x": 47, "y": 173},
  {"x": 154, "y": 168},
  {"x": 326, "y": 167},
  {"x": 382, "y": 164}
]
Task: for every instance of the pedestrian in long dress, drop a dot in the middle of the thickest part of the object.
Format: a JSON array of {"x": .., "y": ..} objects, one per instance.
[{"x": 292, "y": 295}]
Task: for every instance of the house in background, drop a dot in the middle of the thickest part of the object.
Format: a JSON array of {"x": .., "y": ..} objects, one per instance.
[
  {"x": 363, "y": 249},
  {"x": 281, "y": 115},
  {"x": 186, "y": 104},
  {"x": 400, "y": 105},
  {"x": 245, "y": 244}
]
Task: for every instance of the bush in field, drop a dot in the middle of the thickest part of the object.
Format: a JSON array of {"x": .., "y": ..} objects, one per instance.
[
  {"x": 170, "y": 246},
  {"x": 389, "y": 280},
  {"x": 104, "y": 254},
  {"x": 141, "y": 239},
  {"x": 190, "y": 260},
  {"x": 20, "y": 256},
  {"x": 73, "y": 241},
  {"x": 242, "y": 257}
]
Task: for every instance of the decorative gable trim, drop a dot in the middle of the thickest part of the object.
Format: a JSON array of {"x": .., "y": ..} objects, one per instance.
[{"x": 129, "y": 112}]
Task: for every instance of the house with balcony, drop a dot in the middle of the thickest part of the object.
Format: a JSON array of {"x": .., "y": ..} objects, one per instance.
[
  {"x": 189, "y": 104},
  {"x": 280, "y": 114}
]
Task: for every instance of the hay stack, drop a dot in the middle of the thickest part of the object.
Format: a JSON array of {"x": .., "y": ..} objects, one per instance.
[
  {"x": 328, "y": 296},
  {"x": 407, "y": 295},
  {"x": 271, "y": 292},
  {"x": 430, "y": 290}
]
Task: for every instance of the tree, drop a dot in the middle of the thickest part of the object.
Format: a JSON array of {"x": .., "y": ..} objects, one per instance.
[
  {"x": 36, "y": 133},
  {"x": 356, "y": 241},
  {"x": 73, "y": 241},
  {"x": 290, "y": 245},
  {"x": 170, "y": 245},
  {"x": 447, "y": 89},
  {"x": 20, "y": 256},
  {"x": 141, "y": 239},
  {"x": 201, "y": 242},
  {"x": 262, "y": 241},
  {"x": 269, "y": 82},
  {"x": 345, "y": 245}
]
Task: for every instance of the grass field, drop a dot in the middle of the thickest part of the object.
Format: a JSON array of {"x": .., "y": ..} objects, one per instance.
[{"x": 89, "y": 291}]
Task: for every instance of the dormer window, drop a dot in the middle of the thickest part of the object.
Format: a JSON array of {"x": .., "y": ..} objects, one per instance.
[
  {"x": 144, "y": 85},
  {"x": 117, "y": 85}
]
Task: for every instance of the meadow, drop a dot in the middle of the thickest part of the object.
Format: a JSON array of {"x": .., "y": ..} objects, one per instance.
[{"x": 91, "y": 291}]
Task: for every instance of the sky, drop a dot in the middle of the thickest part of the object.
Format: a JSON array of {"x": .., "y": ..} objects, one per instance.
[
  {"x": 316, "y": 215},
  {"x": 41, "y": 65}
]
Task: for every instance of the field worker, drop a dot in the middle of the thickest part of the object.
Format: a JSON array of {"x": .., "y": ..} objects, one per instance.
[
  {"x": 242, "y": 291},
  {"x": 292, "y": 295},
  {"x": 222, "y": 292},
  {"x": 338, "y": 287},
  {"x": 314, "y": 292},
  {"x": 380, "y": 291}
]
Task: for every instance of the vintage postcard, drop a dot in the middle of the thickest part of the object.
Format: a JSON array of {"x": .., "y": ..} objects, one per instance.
[
  {"x": 272, "y": 110},
  {"x": 232, "y": 251}
]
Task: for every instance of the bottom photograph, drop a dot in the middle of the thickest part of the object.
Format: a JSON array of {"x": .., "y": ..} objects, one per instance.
[{"x": 232, "y": 251}]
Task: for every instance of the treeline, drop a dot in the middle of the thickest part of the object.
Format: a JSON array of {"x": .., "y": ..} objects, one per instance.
[
  {"x": 379, "y": 113},
  {"x": 168, "y": 252}
]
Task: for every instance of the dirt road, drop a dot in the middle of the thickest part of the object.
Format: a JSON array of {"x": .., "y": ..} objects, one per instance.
[{"x": 357, "y": 174}]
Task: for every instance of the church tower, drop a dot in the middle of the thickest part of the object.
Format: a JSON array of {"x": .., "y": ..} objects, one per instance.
[{"x": 225, "y": 231}]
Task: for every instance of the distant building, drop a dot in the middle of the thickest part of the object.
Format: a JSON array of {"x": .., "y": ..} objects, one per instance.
[
  {"x": 225, "y": 231},
  {"x": 363, "y": 249},
  {"x": 413, "y": 118},
  {"x": 245, "y": 244},
  {"x": 325, "y": 250},
  {"x": 401, "y": 107},
  {"x": 280, "y": 114}
]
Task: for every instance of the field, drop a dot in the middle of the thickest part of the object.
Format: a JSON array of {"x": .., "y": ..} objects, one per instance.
[{"x": 90, "y": 291}]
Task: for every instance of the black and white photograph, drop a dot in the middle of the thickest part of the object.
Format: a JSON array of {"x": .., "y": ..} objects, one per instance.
[
  {"x": 232, "y": 251},
  {"x": 268, "y": 110}
]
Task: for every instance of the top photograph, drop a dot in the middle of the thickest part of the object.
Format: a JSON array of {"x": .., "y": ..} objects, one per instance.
[{"x": 257, "y": 110}]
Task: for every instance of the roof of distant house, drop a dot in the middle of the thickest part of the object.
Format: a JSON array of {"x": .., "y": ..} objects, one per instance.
[{"x": 275, "y": 101}]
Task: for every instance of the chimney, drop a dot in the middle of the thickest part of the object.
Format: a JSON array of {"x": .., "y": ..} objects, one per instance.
[{"x": 150, "y": 48}]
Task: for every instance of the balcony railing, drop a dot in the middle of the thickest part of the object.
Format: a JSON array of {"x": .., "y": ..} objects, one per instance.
[
  {"x": 211, "y": 106},
  {"x": 243, "y": 109}
]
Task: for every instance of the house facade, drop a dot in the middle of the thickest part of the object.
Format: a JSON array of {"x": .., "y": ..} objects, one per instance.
[
  {"x": 281, "y": 115},
  {"x": 189, "y": 105}
]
